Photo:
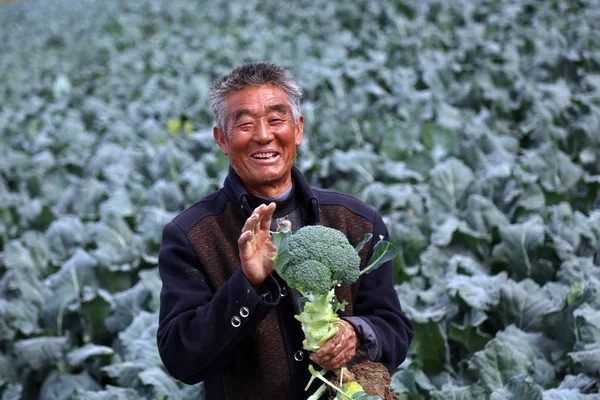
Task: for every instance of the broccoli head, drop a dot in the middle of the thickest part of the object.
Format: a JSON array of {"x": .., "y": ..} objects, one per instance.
[{"x": 320, "y": 258}]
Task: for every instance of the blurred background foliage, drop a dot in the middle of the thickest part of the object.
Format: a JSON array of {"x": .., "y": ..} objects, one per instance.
[{"x": 473, "y": 126}]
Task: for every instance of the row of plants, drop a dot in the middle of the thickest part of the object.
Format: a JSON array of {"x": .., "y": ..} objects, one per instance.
[{"x": 472, "y": 126}]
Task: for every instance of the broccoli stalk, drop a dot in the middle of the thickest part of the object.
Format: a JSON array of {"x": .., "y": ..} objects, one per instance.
[
  {"x": 318, "y": 319},
  {"x": 314, "y": 261}
]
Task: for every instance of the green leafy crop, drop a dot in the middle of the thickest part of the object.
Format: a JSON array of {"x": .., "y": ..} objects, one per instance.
[
  {"x": 470, "y": 125},
  {"x": 314, "y": 261}
]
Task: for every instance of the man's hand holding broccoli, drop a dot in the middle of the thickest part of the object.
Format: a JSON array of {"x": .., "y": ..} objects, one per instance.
[{"x": 339, "y": 350}]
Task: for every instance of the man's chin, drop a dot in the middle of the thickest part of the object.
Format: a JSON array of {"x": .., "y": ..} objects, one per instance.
[
  {"x": 265, "y": 185},
  {"x": 267, "y": 178}
]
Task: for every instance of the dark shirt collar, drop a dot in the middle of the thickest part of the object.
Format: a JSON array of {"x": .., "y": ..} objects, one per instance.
[
  {"x": 280, "y": 197},
  {"x": 238, "y": 194},
  {"x": 285, "y": 205}
]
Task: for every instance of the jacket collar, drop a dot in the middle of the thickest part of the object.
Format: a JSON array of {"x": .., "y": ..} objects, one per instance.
[{"x": 237, "y": 193}]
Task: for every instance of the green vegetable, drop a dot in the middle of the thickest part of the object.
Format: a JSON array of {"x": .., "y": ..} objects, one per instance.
[
  {"x": 329, "y": 251},
  {"x": 314, "y": 261},
  {"x": 319, "y": 258},
  {"x": 351, "y": 388}
]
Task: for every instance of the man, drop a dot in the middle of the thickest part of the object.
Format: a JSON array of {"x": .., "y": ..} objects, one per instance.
[{"x": 225, "y": 317}]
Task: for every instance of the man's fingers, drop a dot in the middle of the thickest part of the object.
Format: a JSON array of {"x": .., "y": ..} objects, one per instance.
[
  {"x": 328, "y": 350},
  {"x": 268, "y": 217},
  {"x": 244, "y": 240},
  {"x": 341, "y": 360},
  {"x": 261, "y": 218},
  {"x": 259, "y": 212},
  {"x": 326, "y": 353},
  {"x": 328, "y": 347},
  {"x": 266, "y": 213},
  {"x": 256, "y": 227},
  {"x": 338, "y": 361},
  {"x": 338, "y": 350},
  {"x": 250, "y": 222},
  {"x": 340, "y": 356}
]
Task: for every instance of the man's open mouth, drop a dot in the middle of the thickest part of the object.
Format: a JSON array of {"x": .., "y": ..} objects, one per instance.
[{"x": 264, "y": 156}]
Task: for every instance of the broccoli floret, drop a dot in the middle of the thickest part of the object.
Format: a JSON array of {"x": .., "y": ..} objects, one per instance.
[
  {"x": 320, "y": 257},
  {"x": 307, "y": 276}
]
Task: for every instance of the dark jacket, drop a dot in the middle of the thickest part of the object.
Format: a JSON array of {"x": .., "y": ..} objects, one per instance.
[{"x": 214, "y": 327}]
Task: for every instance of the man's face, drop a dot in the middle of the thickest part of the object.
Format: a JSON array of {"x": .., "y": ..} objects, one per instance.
[{"x": 261, "y": 138}]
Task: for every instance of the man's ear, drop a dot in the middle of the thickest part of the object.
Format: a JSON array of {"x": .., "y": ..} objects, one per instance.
[
  {"x": 219, "y": 136},
  {"x": 299, "y": 131}
]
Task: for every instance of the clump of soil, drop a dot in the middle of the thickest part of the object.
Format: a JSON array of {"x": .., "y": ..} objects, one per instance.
[{"x": 373, "y": 377}]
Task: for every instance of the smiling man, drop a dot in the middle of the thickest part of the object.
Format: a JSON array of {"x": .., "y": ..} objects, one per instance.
[
  {"x": 226, "y": 318},
  {"x": 260, "y": 136}
]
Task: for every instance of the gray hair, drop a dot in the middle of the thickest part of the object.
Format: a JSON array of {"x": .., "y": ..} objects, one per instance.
[{"x": 253, "y": 74}]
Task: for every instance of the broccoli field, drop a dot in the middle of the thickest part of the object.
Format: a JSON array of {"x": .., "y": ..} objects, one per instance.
[{"x": 473, "y": 126}]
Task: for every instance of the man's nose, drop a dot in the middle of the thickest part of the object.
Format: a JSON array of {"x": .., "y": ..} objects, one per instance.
[{"x": 263, "y": 133}]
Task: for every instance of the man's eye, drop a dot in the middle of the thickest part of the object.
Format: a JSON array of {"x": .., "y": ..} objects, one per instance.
[
  {"x": 245, "y": 127},
  {"x": 276, "y": 121}
]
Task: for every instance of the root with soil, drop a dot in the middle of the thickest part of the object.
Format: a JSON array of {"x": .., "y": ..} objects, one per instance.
[{"x": 373, "y": 377}]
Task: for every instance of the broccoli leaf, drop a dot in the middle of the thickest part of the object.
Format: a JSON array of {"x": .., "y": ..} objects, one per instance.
[
  {"x": 383, "y": 252},
  {"x": 280, "y": 240},
  {"x": 366, "y": 239}
]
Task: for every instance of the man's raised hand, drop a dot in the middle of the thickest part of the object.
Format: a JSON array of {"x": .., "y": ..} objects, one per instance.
[{"x": 256, "y": 248}]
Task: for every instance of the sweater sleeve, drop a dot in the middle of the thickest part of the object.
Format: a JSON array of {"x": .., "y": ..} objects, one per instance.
[
  {"x": 378, "y": 305},
  {"x": 199, "y": 332}
]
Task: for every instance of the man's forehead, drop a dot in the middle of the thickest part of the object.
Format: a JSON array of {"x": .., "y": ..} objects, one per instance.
[{"x": 252, "y": 99}]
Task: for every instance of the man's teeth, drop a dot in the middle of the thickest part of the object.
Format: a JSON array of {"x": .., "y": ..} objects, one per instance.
[{"x": 264, "y": 155}]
